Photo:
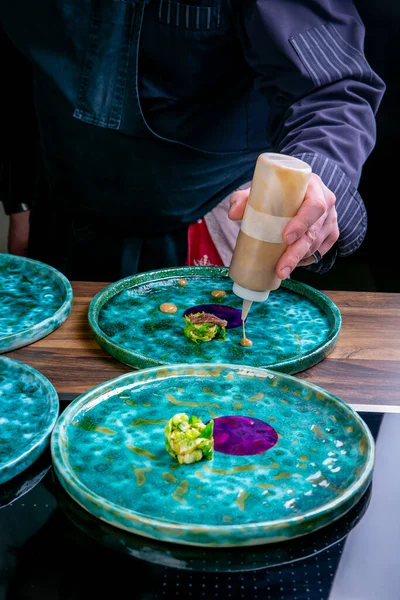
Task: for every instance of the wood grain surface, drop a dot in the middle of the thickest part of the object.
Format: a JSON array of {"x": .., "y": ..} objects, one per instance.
[{"x": 363, "y": 369}]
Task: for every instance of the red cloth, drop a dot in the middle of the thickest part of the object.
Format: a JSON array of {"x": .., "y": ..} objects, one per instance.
[{"x": 201, "y": 248}]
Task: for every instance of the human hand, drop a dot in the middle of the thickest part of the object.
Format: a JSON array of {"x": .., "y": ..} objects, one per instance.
[
  {"x": 313, "y": 228},
  {"x": 18, "y": 233}
]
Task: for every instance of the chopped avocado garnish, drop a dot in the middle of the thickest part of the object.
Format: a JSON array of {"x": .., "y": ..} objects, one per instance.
[{"x": 189, "y": 440}]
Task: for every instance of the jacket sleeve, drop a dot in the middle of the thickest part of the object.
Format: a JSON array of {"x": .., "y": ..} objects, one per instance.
[
  {"x": 19, "y": 137},
  {"x": 308, "y": 59}
]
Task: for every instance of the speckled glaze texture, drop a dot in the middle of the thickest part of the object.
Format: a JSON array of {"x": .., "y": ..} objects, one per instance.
[
  {"x": 109, "y": 453},
  {"x": 295, "y": 329},
  {"x": 214, "y": 560},
  {"x": 35, "y": 299},
  {"x": 28, "y": 412}
]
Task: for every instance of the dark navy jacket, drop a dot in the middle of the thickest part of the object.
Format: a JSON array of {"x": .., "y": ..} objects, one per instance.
[{"x": 224, "y": 77}]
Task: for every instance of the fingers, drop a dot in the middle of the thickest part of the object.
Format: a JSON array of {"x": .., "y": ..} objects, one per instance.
[
  {"x": 300, "y": 253},
  {"x": 317, "y": 203},
  {"x": 324, "y": 248},
  {"x": 313, "y": 228},
  {"x": 238, "y": 202},
  {"x": 328, "y": 230},
  {"x": 328, "y": 236},
  {"x": 299, "y": 249}
]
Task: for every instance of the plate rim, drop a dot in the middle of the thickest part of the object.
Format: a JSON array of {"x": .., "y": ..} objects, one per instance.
[
  {"x": 66, "y": 475},
  {"x": 42, "y": 329},
  {"x": 76, "y": 516},
  {"x": 137, "y": 360},
  {"x": 52, "y": 417}
]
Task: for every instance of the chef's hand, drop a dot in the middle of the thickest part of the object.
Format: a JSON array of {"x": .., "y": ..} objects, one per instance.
[
  {"x": 18, "y": 233},
  {"x": 313, "y": 228}
]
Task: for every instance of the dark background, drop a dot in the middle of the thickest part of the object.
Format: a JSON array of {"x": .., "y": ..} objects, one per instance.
[
  {"x": 375, "y": 266},
  {"x": 379, "y": 185}
]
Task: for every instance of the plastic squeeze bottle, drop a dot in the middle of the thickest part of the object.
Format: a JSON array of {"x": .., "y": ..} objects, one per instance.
[{"x": 277, "y": 192}]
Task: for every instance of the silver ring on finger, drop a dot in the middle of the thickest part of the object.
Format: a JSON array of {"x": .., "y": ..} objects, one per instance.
[{"x": 317, "y": 256}]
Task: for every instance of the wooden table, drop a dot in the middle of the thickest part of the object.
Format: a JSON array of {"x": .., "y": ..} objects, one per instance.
[{"x": 363, "y": 370}]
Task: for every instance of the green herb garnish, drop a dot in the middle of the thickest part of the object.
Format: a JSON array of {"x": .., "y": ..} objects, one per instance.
[
  {"x": 189, "y": 440},
  {"x": 198, "y": 329}
]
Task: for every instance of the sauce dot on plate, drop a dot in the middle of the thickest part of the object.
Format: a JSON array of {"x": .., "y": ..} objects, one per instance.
[
  {"x": 182, "y": 282},
  {"x": 168, "y": 308},
  {"x": 246, "y": 342},
  {"x": 218, "y": 293}
]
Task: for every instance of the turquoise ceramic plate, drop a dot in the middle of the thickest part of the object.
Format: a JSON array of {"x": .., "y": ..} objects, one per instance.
[
  {"x": 25, "y": 482},
  {"x": 28, "y": 412},
  {"x": 290, "y": 458},
  {"x": 295, "y": 329},
  {"x": 211, "y": 560},
  {"x": 35, "y": 299},
  {"x": 220, "y": 560}
]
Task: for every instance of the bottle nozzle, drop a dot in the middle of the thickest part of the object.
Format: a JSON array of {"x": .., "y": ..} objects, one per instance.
[{"x": 250, "y": 295}]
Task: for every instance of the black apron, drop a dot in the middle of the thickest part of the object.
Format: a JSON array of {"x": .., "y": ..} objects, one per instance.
[{"x": 117, "y": 204}]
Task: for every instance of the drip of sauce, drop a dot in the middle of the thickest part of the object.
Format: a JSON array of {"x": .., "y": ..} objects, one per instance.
[
  {"x": 182, "y": 282},
  {"x": 218, "y": 293},
  {"x": 168, "y": 308},
  {"x": 245, "y": 311},
  {"x": 245, "y": 341}
]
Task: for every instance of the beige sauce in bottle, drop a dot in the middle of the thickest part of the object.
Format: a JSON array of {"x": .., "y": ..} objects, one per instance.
[{"x": 277, "y": 192}]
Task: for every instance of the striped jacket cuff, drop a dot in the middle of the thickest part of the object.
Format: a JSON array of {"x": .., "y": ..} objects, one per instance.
[{"x": 352, "y": 215}]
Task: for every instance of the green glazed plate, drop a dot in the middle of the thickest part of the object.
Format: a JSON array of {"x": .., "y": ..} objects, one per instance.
[
  {"x": 211, "y": 560},
  {"x": 29, "y": 409},
  {"x": 295, "y": 329},
  {"x": 293, "y": 458},
  {"x": 25, "y": 482},
  {"x": 35, "y": 300}
]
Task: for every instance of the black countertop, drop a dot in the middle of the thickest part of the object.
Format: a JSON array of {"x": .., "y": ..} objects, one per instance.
[{"x": 51, "y": 549}]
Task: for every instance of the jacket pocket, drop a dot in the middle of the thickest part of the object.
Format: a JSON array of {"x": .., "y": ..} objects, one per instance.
[
  {"x": 105, "y": 66},
  {"x": 203, "y": 15},
  {"x": 328, "y": 57}
]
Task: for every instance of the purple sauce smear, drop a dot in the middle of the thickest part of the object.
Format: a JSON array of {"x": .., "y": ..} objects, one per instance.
[
  {"x": 233, "y": 316},
  {"x": 243, "y": 436}
]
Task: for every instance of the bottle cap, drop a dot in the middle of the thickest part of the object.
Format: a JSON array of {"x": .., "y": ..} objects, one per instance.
[{"x": 251, "y": 295}]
